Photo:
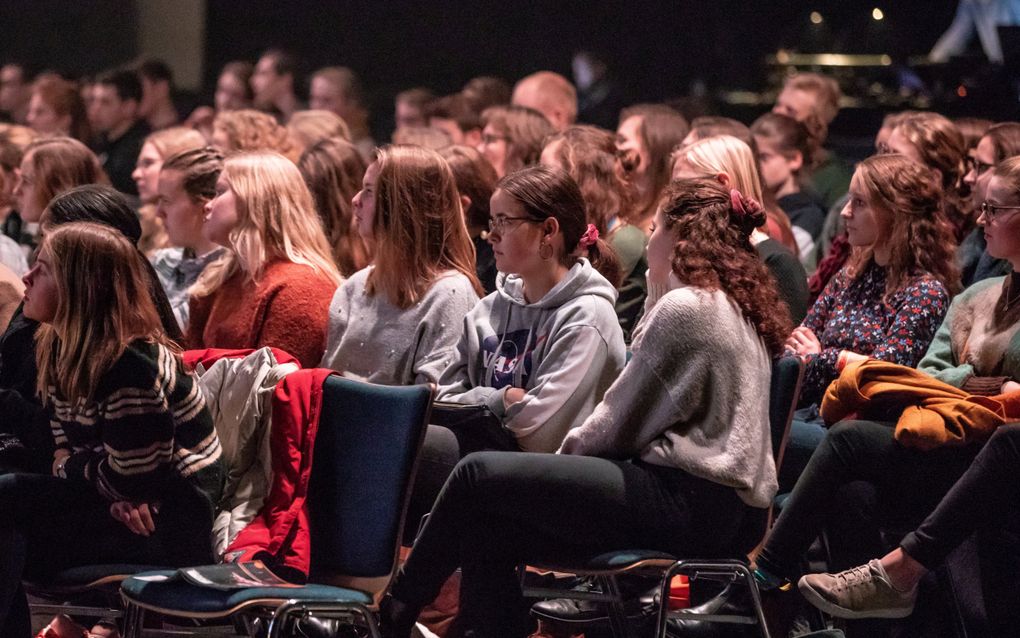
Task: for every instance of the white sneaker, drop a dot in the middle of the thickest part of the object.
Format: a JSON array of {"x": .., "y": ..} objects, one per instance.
[{"x": 861, "y": 592}]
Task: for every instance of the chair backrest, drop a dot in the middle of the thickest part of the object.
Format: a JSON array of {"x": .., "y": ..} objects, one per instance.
[
  {"x": 784, "y": 392},
  {"x": 366, "y": 453}
]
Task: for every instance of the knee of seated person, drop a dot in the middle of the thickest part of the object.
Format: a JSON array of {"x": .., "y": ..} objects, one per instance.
[{"x": 474, "y": 468}]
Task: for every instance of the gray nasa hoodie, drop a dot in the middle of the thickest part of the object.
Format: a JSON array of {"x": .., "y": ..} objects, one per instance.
[{"x": 565, "y": 350}]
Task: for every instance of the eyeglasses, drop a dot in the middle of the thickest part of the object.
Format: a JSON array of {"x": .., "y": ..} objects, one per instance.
[
  {"x": 992, "y": 212},
  {"x": 978, "y": 166},
  {"x": 501, "y": 223},
  {"x": 492, "y": 139}
]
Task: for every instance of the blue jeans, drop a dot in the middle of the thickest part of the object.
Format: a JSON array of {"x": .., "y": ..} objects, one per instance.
[{"x": 806, "y": 432}]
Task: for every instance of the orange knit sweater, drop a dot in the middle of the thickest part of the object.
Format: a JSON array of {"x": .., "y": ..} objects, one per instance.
[{"x": 288, "y": 308}]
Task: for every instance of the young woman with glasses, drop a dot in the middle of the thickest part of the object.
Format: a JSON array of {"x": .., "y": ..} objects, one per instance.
[{"x": 999, "y": 143}]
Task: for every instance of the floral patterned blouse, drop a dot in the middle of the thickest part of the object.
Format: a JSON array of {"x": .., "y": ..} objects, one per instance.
[{"x": 851, "y": 315}]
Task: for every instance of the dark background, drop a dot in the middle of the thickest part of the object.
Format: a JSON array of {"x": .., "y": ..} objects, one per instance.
[{"x": 655, "y": 49}]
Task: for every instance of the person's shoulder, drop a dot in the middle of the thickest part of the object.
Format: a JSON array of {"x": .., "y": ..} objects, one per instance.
[
  {"x": 144, "y": 364},
  {"x": 167, "y": 257},
  {"x": 451, "y": 282},
  {"x": 298, "y": 278}
]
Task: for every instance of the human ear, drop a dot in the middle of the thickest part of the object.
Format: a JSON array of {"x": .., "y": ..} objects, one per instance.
[{"x": 723, "y": 179}]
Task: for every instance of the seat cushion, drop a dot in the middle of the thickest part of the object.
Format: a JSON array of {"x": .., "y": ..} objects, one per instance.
[
  {"x": 162, "y": 591},
  {"x": 612, "y": 561}
]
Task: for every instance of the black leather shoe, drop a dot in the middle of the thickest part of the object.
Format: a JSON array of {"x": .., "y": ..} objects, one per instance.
[{"x": 590, "y": 614}]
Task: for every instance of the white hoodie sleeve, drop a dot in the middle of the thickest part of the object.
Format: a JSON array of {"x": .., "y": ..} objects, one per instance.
[{"x": 459, "y": 383}]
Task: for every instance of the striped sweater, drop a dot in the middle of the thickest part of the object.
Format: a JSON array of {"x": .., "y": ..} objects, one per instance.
[{"x": 146, "y": 425}]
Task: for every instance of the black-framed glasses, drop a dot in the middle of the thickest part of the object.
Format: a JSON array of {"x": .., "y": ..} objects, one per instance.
[
  {"x": 992, "y": 212},
  {"x": 502, "y": 223},
  {"x": 978, "y": 166}
]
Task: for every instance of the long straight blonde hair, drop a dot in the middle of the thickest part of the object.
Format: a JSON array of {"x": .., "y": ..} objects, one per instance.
[
  {"x": 419, "y": 228},
  {"x": 725, "y": 154},
  {"x": 276, "y": 220},
  {"x": 93, "y": 324}
]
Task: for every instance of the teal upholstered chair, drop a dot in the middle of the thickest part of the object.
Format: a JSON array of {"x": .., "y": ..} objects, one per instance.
[
  {"x": 365, "y": 455},
  {"x": 787, "y": 375}
]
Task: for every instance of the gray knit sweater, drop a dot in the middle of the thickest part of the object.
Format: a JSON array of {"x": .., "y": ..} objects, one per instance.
[
  {"x": 371, "y": 339},
  {"x": 694, "y": 396}
]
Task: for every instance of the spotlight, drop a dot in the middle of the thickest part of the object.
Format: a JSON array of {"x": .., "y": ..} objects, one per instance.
[
  {"x": 816, "y": 18},
  {"x": 876, "y": 14}
]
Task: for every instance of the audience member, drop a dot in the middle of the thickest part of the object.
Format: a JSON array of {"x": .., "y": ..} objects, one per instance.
[
  {"x": 645, "y": 140},
  {"x": 935, "y": 141},
  {"x": 273, "y": 285},
  {"x": 276, "y": 84},
  {"x": 588, "y": 154},
  {"x": 512, "y": 137},
  {"x": 731, "y": 162},
  {"x": 476, "y": 180},
  {"x": 25, "y": 431},
  {"x": 999, "y": 143},
  {"x": 157, "y": 147},
  {"x": 109, "y": 498},
  {"x": 424, "y": 136},
  {"x": 56, "y": 108},
  {"x": 306, "y": 128},
  {"x": 13, "y": 140},
  {"x": 455, "y": 116},
  {"x": 186, "y": 183},
  {"x": 233, "y": 87},
  {"x": 813, "y": 100},
  {"x": 157, "y": 104},
  {"x": 251, "y": 130},
  {"x": 15, "y": 91},
  {"x": 338, "y": 89},
  {"x": 786, "y": 155},
  {"x": 888, "y": 300},
  {"x": 409, "y": 108},
  {"x": 976, "y": 350},
  {"x": 778, "y": 225},
  {"x": 699, "y": 462},
  {"x": 485, "y": 91},
  {"x": 398, "y": 321},
  {"x": 114, "y": 115},
  {"x": 550, "y": 94},
  {"x": 49, "y": 167},
  {"x": 332, "y": 169},
  {"x": 540, "y": 351}
]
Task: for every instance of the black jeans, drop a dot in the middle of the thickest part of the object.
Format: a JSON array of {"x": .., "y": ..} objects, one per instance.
[
  {"x": 985, "y": 497},
  {"x": 442, "y": 449},
  {"x": 49, "y": 524},
  {"x": 499, "y": 510},
  {"x": 908, "y": 484}
]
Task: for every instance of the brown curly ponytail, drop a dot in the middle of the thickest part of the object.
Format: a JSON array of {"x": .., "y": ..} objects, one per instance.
[{"x": 714, "y": 251}]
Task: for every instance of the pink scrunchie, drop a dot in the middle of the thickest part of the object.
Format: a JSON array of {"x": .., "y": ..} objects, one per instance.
[
  {"x": 743, "y": 205},
  {"x": 590, "y": 236}
]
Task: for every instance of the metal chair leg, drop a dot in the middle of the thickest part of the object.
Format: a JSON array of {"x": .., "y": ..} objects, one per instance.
[{"x": 298, "y": 608}]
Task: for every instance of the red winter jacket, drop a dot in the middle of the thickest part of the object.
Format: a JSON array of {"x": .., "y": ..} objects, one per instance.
[{"x": 279, "y": 535}]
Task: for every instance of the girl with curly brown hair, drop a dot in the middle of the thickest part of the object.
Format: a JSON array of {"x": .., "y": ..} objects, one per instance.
[
  {"x": 680, "y": 442},
  {"x": 889, "y": 299}
]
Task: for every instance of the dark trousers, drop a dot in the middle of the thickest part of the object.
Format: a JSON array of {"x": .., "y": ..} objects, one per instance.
[
  {"x": 987, "y": 496},
  {"x": 500, "y": 510},
  {"x": 49, "y": 524},
  {"x": 443, "y": 448},
  {"x": 908, "y": 484}
]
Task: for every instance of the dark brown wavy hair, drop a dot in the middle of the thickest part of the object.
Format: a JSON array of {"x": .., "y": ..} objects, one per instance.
[
  {"x": 910, "y": 198},
  {"x": 714, "y": 251}
]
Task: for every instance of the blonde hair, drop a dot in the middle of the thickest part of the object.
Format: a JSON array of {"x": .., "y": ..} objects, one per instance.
[
  {"x": 309, "y": 127},
  {"x": 93, "y": 325},
  {"x": 418, "y": 228},
  {"x": 725, "y": 154},
  {"x": 251, "y": 130},
  {"x": 276, "y": 220},
  {"x": 174, "y": 140}
]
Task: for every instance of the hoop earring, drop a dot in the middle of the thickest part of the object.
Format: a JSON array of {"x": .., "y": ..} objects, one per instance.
[{"x": 545, "y": 255}]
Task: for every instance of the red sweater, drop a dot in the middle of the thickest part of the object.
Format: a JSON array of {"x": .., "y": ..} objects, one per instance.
[{"x": 288, "y": 308}]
